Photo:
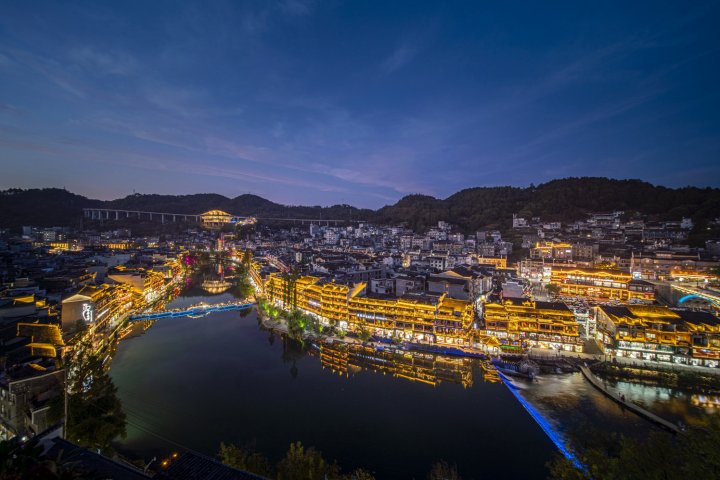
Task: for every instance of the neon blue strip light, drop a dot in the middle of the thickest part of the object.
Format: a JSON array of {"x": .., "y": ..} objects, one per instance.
[
  {"x": 695, "y": 295},
  {"x": 190, "y": 311},
  {"x": 544, "y": 424},
  {"x": 688, "y": 297}
]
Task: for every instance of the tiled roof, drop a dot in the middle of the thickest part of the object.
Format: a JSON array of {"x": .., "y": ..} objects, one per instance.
[{"x": 193, "y": 466}]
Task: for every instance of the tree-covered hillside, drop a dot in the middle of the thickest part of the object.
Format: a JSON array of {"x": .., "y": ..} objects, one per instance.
[
  {"x": 471, "y": 209},
  {"x": 565, "y": 200},
  {"x": 56, "y": 207}
]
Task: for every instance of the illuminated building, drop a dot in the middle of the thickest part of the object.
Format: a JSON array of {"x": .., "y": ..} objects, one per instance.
[
  {"x": 116, "y": 245},
  {"x": 215, "y": 219},
  {"x": 659, "y": 264},
  {"x": 519, "y": 324},
  {"x": 150, "y": 284},
  {"x": 96, "y": 306},
  {"x": 45, "y": 338},
  {"x": 497, "y": 262},
  {"x": 22, "y": 307},
  {"x": 64, "y": 246},
  {"x": 692, "y": 276},
  {"x": 415, "y": 318},
  {"x": 601, "y": 284},
  {"x": 552, "y": 250},
  {"x": 660, "y": 334}
]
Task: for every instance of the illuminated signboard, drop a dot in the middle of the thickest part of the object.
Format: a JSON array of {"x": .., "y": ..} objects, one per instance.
[{"x": 88, "y": 312}]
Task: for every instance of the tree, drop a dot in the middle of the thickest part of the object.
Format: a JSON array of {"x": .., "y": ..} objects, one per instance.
[
  {"x": 297, "y": 323},
  {"x": 364, "y": 334},
  {"x": 242, "y": 288},
  {"x": 302, "y": 463},
  {"x": 94, "y": 412},
  {"x": 359, "y": 474},
  {"x": 443, "y": 471},
  {"x": 247, "y": 259},
  {"x": 553, "y": 289},
  {"x": 247, "y": 459},
  {"x": 693, "y": 454}
]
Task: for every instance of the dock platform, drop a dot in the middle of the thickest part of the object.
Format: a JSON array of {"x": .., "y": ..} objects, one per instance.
[{"x": 661, "y": 422}]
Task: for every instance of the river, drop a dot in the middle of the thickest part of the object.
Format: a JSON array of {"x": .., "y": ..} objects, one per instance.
[{"x": 194, "y": 382}]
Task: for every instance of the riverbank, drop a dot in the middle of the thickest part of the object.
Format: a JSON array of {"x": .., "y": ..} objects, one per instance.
[
  {"x": 685, "y": 380},
  {"x": 690, "y": 379}
]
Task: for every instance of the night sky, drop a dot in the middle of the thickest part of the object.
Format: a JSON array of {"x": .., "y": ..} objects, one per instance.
[{"x": 362, "y": 102}]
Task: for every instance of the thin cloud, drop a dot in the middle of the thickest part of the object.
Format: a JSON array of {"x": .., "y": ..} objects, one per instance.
[
  {"x": 296, "y": 7},
  {"x": 104, "y": 62},
  {"x": 401, "y": 56}
]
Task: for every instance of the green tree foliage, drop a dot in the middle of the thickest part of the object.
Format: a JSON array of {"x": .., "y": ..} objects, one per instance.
[
  {"x": 299, "y": 463},
  {"x": 302, "y": 463},
  {"x": 474, "y": 208},
  {"x": 267, "y": 308},
  {"x": 694, "y": 454},
  {"x": 242, "y": 288},
  {"x": 552, "y": 289},
  {"x": 94, "y": 412},
  {"x": 300, "y": 324},
  {"x": 247, "y": 259},
  {"x": 297, "y": 323},
  {"x": 563, "y": 200},
  {"x": 359, "y": 474},
  {"x": 364, "y": 334},
  {"x": 443, "y": 471},
  {"x": 247, "y": 459}
]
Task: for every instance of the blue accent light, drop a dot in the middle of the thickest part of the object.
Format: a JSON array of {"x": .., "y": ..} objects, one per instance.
[
  {"x": 190, "y": 311},
  {"x": 688, "y": 297},
  {"x": 544, "y": 424},
  {"x": 697, "y": 295}
]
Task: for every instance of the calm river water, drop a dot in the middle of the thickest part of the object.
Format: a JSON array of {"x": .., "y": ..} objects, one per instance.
[{"x": 195, "y": 382}]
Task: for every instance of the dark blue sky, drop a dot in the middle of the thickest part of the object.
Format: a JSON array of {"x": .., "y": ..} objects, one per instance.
[{"x": 321, "y": 102}]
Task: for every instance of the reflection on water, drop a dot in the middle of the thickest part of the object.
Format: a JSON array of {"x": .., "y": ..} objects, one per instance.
[
  {"x": 571, "y": 405},
  {"x": 197, "y": 382},
  {"x": 673, "y": 405},
  {"x": 347, "y": 360}
]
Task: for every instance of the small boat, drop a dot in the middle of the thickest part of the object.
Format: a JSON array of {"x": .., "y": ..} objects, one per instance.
[{"x": 523, "y": 369}]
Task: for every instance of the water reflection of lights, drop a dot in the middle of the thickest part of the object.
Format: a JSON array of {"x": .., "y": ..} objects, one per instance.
[
  {"x": 706, "y": 401},
  {"x": 216, "y": 287}
]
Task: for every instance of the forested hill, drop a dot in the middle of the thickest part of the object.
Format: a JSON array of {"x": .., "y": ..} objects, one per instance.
[
  {"x": 564, "y": 200},
  {"x": 57, "y": 207},
  {"x": 471, "y": 209}
]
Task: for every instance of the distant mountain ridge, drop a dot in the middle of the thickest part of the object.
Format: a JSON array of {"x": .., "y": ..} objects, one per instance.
[
  {"x": 471, "y": 209},
  {"x": 47, "y": 207}
]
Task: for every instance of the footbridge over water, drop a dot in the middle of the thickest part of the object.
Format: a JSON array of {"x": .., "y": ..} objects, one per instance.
[
  {"x": 687, "y": 293},
  {"x": 676, "y": 293},
  {"x": 195, "y": 311}
]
